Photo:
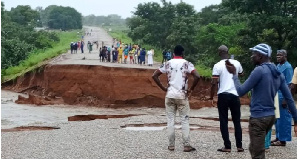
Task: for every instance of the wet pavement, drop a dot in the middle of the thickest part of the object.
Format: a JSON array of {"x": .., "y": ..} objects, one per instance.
[
  {"x": 30, "y": 131},
  {"x": 16, "y": 115}
]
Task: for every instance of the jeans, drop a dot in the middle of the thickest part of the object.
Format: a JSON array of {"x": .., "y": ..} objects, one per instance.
[
  {"x": 258, "y": 128},
  {"x": 231, "y": 101},
  {"x": 182, "y": 105}
]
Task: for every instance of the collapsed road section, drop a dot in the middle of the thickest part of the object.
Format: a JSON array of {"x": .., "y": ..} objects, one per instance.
[{"x": 100, "y": 86}]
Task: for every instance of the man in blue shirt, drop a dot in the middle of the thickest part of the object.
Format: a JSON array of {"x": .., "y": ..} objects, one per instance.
[
  {"x": 284, "y": 123},
  {"x": 265, "y": 80}
]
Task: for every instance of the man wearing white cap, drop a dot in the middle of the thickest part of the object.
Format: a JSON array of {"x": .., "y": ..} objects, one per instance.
[{"x": 265, "y": 80}]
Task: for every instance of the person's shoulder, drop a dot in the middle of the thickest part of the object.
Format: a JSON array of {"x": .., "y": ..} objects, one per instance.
[
  {"x": 258, "y": 69},
  {"x": 235, "y": 62},
  {"x": 220, "y": 63},
  {"x": 288, "y": 65}
]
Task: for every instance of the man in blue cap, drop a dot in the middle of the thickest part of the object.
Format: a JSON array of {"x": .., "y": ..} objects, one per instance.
[{"x": 265, "y": 80}]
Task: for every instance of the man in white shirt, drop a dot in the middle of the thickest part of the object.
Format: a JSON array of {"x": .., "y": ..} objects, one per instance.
[
  {"x": 227, "y": 98},
  {"x": 177, "y": 70}
]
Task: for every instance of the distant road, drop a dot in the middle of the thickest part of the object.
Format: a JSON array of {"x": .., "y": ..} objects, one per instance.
[{"x": 97, "y": 34}]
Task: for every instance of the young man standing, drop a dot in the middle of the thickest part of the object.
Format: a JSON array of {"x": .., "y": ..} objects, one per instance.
[
  {"x": 227, "y": 98},
  {"x": 177, "y": 95},
  {"x": 265, "y": 80}
]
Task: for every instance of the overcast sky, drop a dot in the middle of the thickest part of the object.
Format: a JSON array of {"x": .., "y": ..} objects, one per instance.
[{"x": 102, "y": 7}]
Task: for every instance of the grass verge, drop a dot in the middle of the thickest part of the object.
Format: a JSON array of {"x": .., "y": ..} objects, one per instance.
[{"x": 38, "y": 58}]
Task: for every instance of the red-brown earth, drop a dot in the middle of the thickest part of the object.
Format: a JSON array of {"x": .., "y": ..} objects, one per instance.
[{"x": 101, "y": 86}]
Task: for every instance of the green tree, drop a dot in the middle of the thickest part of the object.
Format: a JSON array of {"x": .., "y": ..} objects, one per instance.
[
  {"x": 273, "y": 22},
  {"x": 24, "y": 15},
  {"x": 18, "y": 36}
]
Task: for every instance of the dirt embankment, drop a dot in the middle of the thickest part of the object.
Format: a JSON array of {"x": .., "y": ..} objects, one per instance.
[{"x": 99, "y": 86}]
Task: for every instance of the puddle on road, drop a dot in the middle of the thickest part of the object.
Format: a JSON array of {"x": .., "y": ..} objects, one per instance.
[
  {"x": 29, "y": 128},
  {"x": 94, "y": 117},
  {"x": 162, "y": 126}
]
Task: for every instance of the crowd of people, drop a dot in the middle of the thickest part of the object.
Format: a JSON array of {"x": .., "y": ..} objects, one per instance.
[
  {"x": 74, "y": 46},
  {"x": 122, "y": 52},
  {"x": 266, "y": 82}
]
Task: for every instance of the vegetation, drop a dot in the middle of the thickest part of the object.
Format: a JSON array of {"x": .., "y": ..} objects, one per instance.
[
  {"x": 237, "y": 25},
  {"x": 23, "y": 47},
  {"x": 59, "y": 17},
  {"x": 110, "y": 20},
  {"x": 37, "y": 58}
]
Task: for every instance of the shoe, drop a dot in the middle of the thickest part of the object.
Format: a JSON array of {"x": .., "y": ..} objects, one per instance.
[
  {"x": 240, "y": 150},
  {"x": 171, "y": 148},
  {"x": 278, "y": 143},
  {"x": 188, "y": 149},
  {"x": 224, "y": 150}
]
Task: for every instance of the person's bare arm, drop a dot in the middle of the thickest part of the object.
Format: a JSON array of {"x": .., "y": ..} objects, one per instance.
[
  {"x": 155, "y": 77},
  {"x": 196, "y": 76},
  {"x": 214, "y": 83}
]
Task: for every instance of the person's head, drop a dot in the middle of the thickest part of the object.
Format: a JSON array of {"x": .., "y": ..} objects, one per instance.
[
  {"x": 281, "y": 56},
  {"x": 223, "y": 52},
  {"x": 178, "y": 50},
  {"x": 261, "y": 53}
]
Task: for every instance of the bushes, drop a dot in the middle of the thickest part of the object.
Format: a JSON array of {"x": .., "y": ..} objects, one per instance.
[{"x": 34, "y": 58}]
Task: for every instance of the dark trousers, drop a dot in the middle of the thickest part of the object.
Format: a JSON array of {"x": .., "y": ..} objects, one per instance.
[
  {"x": 102, "y": 57},
  {"x": 258, "y": 128},
  {"x": 225, "y": 101}
]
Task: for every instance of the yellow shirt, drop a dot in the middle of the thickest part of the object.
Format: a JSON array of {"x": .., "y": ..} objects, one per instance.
[{"x": 120, "y": 51}]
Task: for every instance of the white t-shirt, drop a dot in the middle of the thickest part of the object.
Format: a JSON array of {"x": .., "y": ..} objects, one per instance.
[
  {"x": 177, "y": 70},
  {"x": 226, "y": 83}
]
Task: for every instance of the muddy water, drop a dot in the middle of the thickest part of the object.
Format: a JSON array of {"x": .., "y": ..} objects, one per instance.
[{"x": 15, "y": 115}]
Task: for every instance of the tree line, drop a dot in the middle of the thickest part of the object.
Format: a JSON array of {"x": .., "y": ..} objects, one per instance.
[
  {"x": 110, "y": 20},
  {"x": 232, "y": 23},
  {"x": 19, "y": 37}
]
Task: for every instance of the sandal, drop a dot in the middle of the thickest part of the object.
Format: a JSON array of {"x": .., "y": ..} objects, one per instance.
[
  {"x": 224, "y": 150},
  {"x": 278, "y": 143},
  {"x": 171, "y": 148},
  {"x": 274, "y": 140},
  {"x": 240, "y": 150},
  {"x": 188, "y": 149}
]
